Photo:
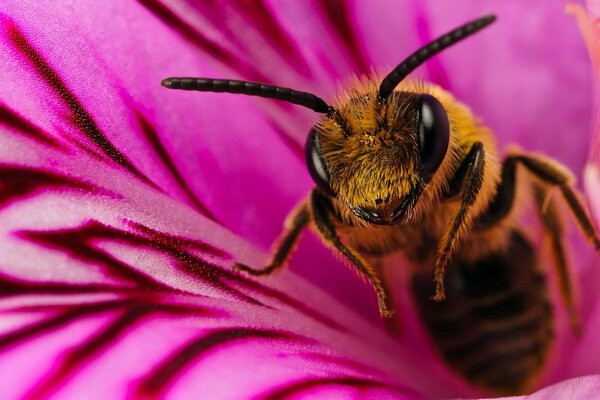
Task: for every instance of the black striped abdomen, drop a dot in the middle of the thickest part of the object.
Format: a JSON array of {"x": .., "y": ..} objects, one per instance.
[{"x": 495, "y": 326}]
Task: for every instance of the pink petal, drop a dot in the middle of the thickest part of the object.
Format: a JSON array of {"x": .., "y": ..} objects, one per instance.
[
  {"x": 112, "y": 189},
  {"x": 121, "y": 288},
  {"x": 110, "y": 283},
  {"x": 512, "y": 76},
  {"x": 593, "y": 7},
  {"x": 589, "y": 31},
  {"x": 585, "y": 357},
  {"x": 526, "y": 76},
  {"x": 586, "y": 387}
]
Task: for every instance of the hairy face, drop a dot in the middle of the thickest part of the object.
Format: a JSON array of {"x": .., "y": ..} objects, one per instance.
[{"x": 372, "y": 154}]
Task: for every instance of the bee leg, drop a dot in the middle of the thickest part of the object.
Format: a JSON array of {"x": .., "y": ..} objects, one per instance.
[
  {"x": 293, "y": 227},
  {"x": 321, "y": 211},
  {"x": 471, "y": 173},
  {"x": 548, "y": 174},
  {"x": 553, "y": 174},
  {"x": 392, "y": 324},
  {"x": 503, "y": 200},
  {"x": 553, "y": 228}
]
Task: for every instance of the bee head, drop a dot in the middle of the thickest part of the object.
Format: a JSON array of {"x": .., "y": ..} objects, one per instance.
[
  {"x": 376, "y": 156},
  {"x": 376, "y": 150}
]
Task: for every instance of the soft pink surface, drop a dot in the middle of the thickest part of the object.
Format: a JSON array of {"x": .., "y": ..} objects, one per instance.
[{"x": 123, "y": 205}]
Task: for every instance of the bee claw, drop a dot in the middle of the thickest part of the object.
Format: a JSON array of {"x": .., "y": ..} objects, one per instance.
[
  {"x": 254, "y": 272},
  {"x": 438, "y": 297},
  {"x": 440, "y": 292},
  {"x": 386, "y": 312},
  {"x": 237, "y": 268}
]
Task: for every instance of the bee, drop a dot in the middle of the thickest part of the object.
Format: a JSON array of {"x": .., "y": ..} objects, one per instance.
[{"x": 401, "y": 165}]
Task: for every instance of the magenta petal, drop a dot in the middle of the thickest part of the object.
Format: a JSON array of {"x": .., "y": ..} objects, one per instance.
[
  {"x": 592, "y": 186},
  {"x": 114, "y": 275},
  {"x": 586, "y": 387},
  {"x": 590, "y": 32},
  {"x": 116, "y": 286},
  {"x": 108, "y": 283},
  {"x": 526, "y": 76},
  {"x": 121, "y": 202},
  {"x": 593, "y": 8}
]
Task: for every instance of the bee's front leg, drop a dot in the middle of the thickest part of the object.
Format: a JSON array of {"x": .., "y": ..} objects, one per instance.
[
  {"x": 321, "y": 207},
  {"x": 293, "y": 227}
]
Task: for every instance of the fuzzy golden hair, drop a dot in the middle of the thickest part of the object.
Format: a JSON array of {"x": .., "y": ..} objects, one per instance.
[{"x": 379, "y": 158}]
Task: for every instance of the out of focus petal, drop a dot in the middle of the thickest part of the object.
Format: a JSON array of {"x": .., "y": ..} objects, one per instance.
[
  {"x": 120, "y": 201},
  {"x": 589, "y": 28},
  {"x": 585, "y": 387},
  {"x": 527, "y": 76}
]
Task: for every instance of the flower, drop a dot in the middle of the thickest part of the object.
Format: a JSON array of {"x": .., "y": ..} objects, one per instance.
[{"x": 123, "y": 205}]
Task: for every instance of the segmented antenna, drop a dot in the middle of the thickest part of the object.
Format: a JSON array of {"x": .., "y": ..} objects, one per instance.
[
  {"x": 249, "y": 88},
  {"x": 429, "y": 50}
]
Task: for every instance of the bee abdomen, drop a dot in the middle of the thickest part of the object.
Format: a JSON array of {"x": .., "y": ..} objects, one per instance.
[{"x": 495, "y": 326}]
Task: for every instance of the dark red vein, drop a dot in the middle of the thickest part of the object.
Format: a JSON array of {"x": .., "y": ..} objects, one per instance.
[
  {"x": 194, "y": 36},
  {"x": 80, "y": 355},
  {"x": 435, "y": 67},
  {"x": 178, "y": 241},
  {"x": 10, "y": 118},
  {"x": 361, "y": 384},
  {"x": 80, "y": 117},
  {"x": 292, "y": 302},
  {"x": 261, "y": 16},
  {"x": 216, "y": 276},
  {"x": 78, "y": 243},
  {"x": 151, "y": 136},
  {"x": 336, "y": 362},
  {"x": 296, "y": 148},
  {"x": 76, "y": 358},
  {"x": 18, "y": 181},
  {"x": 10, "y": 287},
  {"x": 221, "y": 279},
  {"x": 50, "y": 324},
  {"x": 156, "y": 302},
  {"x": 14, "y": 287},
  {"x": 340, "y": 20},
  {"x": 167, "y": 372}
]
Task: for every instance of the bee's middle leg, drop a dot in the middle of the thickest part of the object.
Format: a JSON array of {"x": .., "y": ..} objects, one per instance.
[
  {"x": 502, "y": 204},
  {"x": 553, "y": 228},
  {"x": 469, "y": 178},
  {"x": 320, "y": 208}
]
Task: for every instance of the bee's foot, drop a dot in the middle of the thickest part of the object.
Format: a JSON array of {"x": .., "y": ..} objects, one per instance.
[
  {"x": 386, "y": 312},
  {"x": 254, "y": 272},
  {"x": 440, "y": 294},
  {"x": 237, "y": 268}
]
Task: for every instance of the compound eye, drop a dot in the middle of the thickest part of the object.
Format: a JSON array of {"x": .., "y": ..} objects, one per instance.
[
  {"x": 316, "y": 164},
  {"x": 434, "y": 133}
]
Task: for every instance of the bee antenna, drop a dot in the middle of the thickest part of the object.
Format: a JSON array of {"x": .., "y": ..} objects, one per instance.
[
  {"x": 307, "y": 100},
  {"x": 429, "y": 50}
]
